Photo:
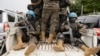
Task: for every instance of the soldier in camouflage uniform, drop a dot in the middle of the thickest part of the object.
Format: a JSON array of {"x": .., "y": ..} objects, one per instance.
[
  {"x": 77, "y": 30},
  {"x": 50, "y": 10},
  {"x": 29, "y": 34},
  {"x": 33, "y": 33}
]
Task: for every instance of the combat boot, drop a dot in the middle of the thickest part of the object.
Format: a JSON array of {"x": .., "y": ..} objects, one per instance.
[
  {"x": 43, "y": 36},
  {"x": 30, "y": 49},
  {"x": 89, "y": 51},
  {"x": 50, "y": 39},
  {"x": 20, "y": 44},
  {"x": 59, "y": 47}
]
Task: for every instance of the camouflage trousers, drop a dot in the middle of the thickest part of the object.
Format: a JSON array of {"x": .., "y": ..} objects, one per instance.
[{"x": 53, "y": 15}]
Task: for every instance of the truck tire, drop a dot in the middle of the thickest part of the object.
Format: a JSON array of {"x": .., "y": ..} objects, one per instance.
[{"x": 36, "y": 2}]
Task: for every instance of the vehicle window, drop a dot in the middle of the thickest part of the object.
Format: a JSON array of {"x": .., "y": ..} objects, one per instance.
[
  {"x": 98, "y": 24},
  {"x": 91, "y": 25},
  {"x": 0, "y": 17},
  {"x": 91, "y": 19},
  {"x": 11, "y": 18}
]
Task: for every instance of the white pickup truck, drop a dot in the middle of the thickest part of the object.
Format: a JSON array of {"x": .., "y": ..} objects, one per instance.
[{"x": 43, "y": 49}]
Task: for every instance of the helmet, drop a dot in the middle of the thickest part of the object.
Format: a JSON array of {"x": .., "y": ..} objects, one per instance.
[
  {"x": 30, "y": 12},
  {"x": 72, "y": 14}
]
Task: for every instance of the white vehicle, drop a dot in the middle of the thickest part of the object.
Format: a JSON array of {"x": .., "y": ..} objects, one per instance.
[
  {"x": 7, "y": 21},
  {"x": 43, "y": 49},
  {"x": 93, "y": 23}
]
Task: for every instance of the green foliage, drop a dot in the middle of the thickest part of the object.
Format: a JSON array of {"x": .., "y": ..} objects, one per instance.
[{"x": 89, "y": 6}]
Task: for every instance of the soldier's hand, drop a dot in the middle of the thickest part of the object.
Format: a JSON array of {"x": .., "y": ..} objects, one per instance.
[
  {"x": 31, "y": 33},
  {"x": 17, "y": 24},
  {"x": 83, "y": 31},
  {"x": 67, "y": 27}
]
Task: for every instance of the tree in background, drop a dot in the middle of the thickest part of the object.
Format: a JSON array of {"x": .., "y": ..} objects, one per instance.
[{"x": 86, "y": 6}]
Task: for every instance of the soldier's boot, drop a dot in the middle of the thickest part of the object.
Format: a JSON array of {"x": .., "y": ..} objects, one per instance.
[
  {"x": 50, "y": 39},
  {"x": 89, "y": 51},
  {"x": 20, "y": 44},
  {"x": 59, "y": 47},
  {"x": 30, "y": 49},
  {"x": 43, "y": 36}
]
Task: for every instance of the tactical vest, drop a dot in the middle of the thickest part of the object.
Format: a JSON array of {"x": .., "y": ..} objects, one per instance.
[
  {"x": 64, "y": 3},
  {"x": 75, "y": 30},
  {"x": 51, "y": 4}
]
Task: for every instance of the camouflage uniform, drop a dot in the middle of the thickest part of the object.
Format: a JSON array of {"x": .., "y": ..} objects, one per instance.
[
  {"x": 76, "y": 29},
  {"x": 22, "y": 32},
  {"x": 50, "y": 9},
  {"x": 63, "y": 10},
  {"x": 31, "y": 35}
]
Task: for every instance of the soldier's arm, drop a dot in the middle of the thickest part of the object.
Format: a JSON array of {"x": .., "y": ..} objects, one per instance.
[
  {"x": 83, "y": 29},
  {"x": 65, "y": 26},
  {"x": 20, "y": 23},
  {"x": 81, "y": 26},
  {"x": 34, "y": 32}
]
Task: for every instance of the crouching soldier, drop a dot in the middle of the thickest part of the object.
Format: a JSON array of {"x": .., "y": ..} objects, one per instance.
[
  {"x": 31, "y": 33},
  {"x": 77, "y": 31}
]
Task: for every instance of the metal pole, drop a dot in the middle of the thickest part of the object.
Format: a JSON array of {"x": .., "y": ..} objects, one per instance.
[
  {"x": 82, "y": 9},
  {"x": 94, "y": 11}
]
